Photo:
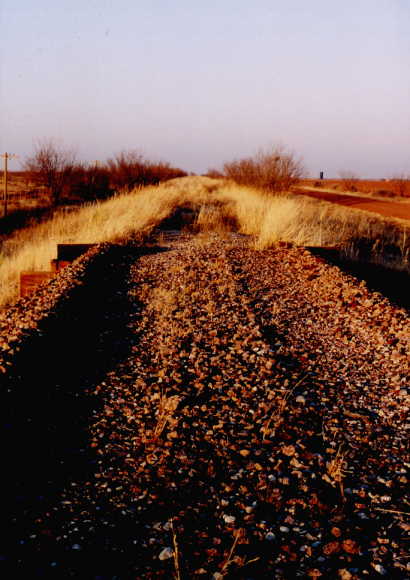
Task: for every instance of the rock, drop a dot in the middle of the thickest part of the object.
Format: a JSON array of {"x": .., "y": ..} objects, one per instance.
[
  {"x": 284, "y": 529},
  {"x": 166, "y": 553},
  {"x": 344, "y": 574},
  {"x": 380, "y": 569}
]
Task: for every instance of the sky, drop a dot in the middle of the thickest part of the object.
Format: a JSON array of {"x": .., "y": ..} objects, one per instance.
[{"x": 198, "y": 83}]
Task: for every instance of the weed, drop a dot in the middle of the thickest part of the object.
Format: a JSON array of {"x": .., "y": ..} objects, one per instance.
[
  {"x": 177, "y": 574},
  {"x": 336, "y": 471},
  {"x": 165, "y": 415},
  {"x": 240, "y": 561},
  {"x": 277, "y": 410}
]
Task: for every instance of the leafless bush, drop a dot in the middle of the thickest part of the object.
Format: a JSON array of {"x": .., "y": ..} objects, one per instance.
[
  {"x": 349, "y": 179},
  {"x": 51, "y": 166},
  {"x": 214, "y": 173},
  {"x": 129, "y": 169},
  {"x": 89, "y": 183},
  {"x": 401, "y": 185},
  {"x": 274, "y": 170}
]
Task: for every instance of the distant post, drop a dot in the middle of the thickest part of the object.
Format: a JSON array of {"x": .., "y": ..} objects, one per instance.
[
  {"x": 6, "y": 156},
  {"x": 321, "y": 175}
]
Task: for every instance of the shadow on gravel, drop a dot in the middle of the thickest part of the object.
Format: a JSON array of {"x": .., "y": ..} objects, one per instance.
[
  {"x": 393, "y": 284},
  {"x": 45, "y": 410}
]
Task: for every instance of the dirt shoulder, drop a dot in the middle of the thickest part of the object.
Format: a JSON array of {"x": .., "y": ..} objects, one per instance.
[{"x": 394, "y": 209}]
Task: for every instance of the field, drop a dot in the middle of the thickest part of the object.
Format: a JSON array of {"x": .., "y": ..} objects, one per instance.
[
  {"x": 23, "y": 193},
  {"x": 385, "y": 188},
  {"x": 202, "y": 394}
]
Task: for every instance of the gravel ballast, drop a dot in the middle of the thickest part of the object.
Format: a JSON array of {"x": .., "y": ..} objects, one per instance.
[{"x": 240, "y": 414}]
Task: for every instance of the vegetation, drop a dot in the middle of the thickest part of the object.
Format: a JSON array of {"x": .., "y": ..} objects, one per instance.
[
  {"x": 349, "y": 180},
  {"x": 401, "y": 185},
  {"x": 129, "y": 169},
  {"x": 218, "y": 206},
  {"x": 66, "y": 179},
  {"x": 396, "y": 187},
  {"x": 273, "y": 170},
  {"x": 51, "y": 166}
]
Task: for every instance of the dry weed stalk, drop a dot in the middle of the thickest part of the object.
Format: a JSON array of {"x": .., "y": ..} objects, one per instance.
[
  {"x": 166, "y": 409},
  {"x": 231, "y": 558},
  {"x": 177, "y": 574},
  {"x": 336, "y": 471},
  {"x": 276, "y": 417},
  {"x": 392, "y": 511}
]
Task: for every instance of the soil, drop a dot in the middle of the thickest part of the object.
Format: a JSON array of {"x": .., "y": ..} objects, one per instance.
[{"x": 391, "y": 209}]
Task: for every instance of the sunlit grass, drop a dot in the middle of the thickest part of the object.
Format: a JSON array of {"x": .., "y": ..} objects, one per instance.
[
  {"x": 221, "y": 206},
  {"x": 117, "y": 218}
]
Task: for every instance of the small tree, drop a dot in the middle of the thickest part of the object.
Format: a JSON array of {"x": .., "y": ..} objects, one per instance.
[{"x": 52, "y": 166}]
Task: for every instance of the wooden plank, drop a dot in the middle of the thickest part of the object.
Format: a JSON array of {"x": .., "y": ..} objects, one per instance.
[
  {"x": 57, "y": 265},
  {"x": 69, "y": 252},
  {"x": 30, "y": 280}
]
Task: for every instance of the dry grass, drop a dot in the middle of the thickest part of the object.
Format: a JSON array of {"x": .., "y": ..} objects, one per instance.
[
  {"x": 117, "y": 218},
  {"x": 220, "y": 207},
  {"x": 309, "y": 222},
  {"x": 24, "y": 194}
]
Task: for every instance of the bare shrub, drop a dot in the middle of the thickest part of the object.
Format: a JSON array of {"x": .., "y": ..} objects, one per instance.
[
  {"x": 400, "y": 185},
  {"x": 129, "y": 169},
  {"x": 214, "y": 173},
  {"x": 349, "y": 179},
  {"x": 274, "y": 170},
  {"x": 89, "y": 183},
  {"x": 51, "y": 166}
]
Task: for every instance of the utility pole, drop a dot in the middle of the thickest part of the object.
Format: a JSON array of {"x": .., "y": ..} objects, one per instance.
[{"x": 6, "y": 156}]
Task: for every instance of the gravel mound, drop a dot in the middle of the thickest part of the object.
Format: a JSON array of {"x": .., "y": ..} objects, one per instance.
[{"x": 254, "y": 426}]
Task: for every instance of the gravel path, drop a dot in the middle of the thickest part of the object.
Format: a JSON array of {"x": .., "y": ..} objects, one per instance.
[{"x": 254, "y": 426}]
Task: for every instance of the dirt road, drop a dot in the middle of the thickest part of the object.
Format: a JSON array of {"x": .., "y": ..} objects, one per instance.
[
  {"x": 400, "y": 210},
  {"x": 219, "y": 413}
]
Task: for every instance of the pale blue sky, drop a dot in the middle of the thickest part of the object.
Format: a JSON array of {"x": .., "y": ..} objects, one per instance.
[{"x": 201, "y": 82}]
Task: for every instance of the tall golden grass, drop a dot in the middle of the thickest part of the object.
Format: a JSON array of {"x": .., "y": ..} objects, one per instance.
[
  {"x": 310, "y": 222},
  {"x": 126, "y": 214},
  {"x": 220, "y": 206}
]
